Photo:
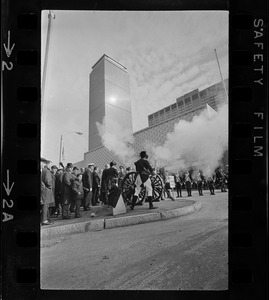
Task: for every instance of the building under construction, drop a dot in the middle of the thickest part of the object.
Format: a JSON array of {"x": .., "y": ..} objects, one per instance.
[{"x": 109, "y": 80}]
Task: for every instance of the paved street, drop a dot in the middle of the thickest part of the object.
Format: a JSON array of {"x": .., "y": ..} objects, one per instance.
[{"x": 185, "y": 253}]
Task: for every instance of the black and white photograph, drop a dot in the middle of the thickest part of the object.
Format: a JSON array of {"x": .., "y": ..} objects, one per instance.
[{"x": 134, "y": 150}]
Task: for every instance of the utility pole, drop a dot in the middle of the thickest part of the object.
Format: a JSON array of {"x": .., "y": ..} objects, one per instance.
[
  {"x": 50, "y": 16},
  {"x": 43, "y": 83},
  {"x": 61, "y": 145},
  {"x": 221, "y": 74}
]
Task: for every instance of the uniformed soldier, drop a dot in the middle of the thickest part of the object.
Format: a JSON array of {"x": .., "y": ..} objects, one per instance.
[
  {"x": 188, "y": 183},
  {"x": 178, "y": 184},
  {"x": 210, "y": 183},
  {"x": 144, "y": 170},
  {"x": 222, "y": 180},
  {"x": 199, "y": 181}
]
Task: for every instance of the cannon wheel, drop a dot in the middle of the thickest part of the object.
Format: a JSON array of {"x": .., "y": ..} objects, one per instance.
[
  {"x": 128, "y": 186},
  {"x": 157, "y": 187}
]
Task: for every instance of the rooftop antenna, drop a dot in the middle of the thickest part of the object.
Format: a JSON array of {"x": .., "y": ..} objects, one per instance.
[{"x": 224, "y": 86}]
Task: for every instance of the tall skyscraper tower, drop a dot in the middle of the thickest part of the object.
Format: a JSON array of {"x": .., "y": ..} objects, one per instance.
[{"x": 109, "y": 97}]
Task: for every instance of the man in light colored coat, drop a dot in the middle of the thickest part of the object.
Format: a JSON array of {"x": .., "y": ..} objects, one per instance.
[{"x": 46, "y": 191}]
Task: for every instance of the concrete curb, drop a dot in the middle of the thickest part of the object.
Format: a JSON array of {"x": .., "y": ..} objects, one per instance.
[
  {"x": 181, "y": 211},
  {"x": 132, "y": 220},
  {"x": 97, "y": 225}
]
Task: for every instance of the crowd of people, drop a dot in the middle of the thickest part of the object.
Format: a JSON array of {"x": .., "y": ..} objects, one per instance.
[{"x": 66, "y": 189}]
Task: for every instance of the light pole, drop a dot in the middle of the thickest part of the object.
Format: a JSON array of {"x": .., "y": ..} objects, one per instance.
[{"x": 61, "y": 143}]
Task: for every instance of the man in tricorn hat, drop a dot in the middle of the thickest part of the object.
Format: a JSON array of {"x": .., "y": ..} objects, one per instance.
[{"x": 144, "y": 170}]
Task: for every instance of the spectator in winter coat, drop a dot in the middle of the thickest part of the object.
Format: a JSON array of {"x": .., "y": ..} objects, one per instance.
[
  {"x": 46, "y": 192},
  {"x": 58, "y": 191},
  {"x": 52, "y": 206},
  {"x": 67, "y": 190},
  {"x": 95, "y": 186},
  {"x": 103, "y": 193},
  {"x": 74, "y": 173},
  {"x": 78, "y": 193},
  {"x": 87, "y": 184}
]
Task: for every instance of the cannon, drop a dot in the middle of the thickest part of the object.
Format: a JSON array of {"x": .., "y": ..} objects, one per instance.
[{"x": 128, "y": 187}]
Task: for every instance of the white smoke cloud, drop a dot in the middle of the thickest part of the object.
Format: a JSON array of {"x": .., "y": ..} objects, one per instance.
[
  {"x": 118, "y": 140},
  {"x": 199, "y": 144}
]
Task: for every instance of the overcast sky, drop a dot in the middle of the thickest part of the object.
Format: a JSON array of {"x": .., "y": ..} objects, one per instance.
[{"x": 167, "y": 54}]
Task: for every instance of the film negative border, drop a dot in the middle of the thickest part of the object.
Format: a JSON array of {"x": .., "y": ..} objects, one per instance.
[
  {"x": 248, "y": 113},
  {"x": 21, "y": 145}
]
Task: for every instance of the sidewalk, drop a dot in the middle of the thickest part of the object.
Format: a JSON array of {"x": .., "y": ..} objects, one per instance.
[{"x": 104, "y": 218}]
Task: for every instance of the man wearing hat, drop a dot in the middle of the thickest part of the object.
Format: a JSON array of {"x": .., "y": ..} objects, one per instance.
[
  {"x": 67, "y": 197},
  {"x": 58, "y": 191},
  {"x": 103, "y": 193},
  {"x": 199, "y": 180},
  {"x": 46, "y": 191},
  {"x": 144, "y": 170},
  {"x": 52, "y": 206},
  {"x": 87, "y": 185},
  {"x": 111, "y": 178},
  {"x": 75, "y": 171}
]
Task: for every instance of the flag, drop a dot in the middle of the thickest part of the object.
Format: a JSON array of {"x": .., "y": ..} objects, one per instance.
[
  {"x": 63, "y": 153},
  {"x": 210, "y": 111}
]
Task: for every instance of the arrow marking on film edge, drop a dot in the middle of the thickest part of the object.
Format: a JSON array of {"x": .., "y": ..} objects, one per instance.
[
  {"x": 8, "y": 190},
  {"x": 7, "y": 48}
]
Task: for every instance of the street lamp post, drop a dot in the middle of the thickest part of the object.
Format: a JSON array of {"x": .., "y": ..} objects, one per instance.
[{"x": 61, "y": 143}]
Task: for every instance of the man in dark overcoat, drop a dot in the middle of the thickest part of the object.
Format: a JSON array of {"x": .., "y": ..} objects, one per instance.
[
  {"x": 58, "y": 191},
  {"x": 103, "y": 194},
  {"x": 67, "y": 196},
  {"x": 46, "y": 191},
  {"x": 111, "y": 178},
  {"x": 52, "y": 206},
  {"x": 87, "y": 185},
  {"x": 96, "y": 182},
  {"x": 74, "y": 173}
]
